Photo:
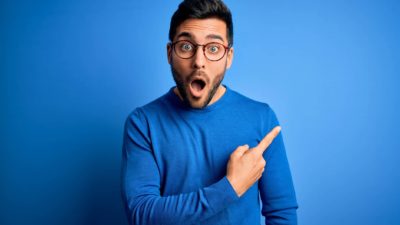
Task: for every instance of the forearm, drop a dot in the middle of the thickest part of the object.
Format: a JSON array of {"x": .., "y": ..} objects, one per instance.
[
  {"x": 184, "y": 208},
  {"x": 287, "y": 216}
]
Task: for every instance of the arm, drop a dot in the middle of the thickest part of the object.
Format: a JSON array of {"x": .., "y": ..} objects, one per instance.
[
  {"x": 277, "y": 193},
  {"x": 141, "y": 185}
]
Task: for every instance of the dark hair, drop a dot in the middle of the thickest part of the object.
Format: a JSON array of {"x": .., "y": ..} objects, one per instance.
[{"x": 202, "y": 9}]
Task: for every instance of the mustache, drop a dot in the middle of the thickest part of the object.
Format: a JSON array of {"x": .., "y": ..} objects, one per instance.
[{"x": 198, "y": 74}]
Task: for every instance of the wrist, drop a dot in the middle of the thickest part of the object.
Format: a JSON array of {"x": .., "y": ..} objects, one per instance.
[{"x": 234, "y": 185}]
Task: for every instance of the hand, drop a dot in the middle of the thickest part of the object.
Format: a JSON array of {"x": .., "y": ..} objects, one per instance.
[{"x": 246, "y": 166}]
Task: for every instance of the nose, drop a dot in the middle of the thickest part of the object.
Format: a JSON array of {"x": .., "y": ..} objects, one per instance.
[{"x": 199, "y": 58}]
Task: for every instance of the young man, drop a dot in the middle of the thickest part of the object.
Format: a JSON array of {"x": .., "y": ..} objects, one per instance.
[{"x": 198, "y": 154}]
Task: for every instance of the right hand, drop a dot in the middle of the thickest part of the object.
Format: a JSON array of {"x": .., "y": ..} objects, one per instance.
[{"x": 246, "y": 166}]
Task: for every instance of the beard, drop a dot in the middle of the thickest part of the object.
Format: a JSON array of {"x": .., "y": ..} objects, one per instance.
[{"x": 182, "y": 83}]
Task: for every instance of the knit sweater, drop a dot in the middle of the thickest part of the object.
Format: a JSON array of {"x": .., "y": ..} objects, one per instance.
[{"x": 175, "y": 158}]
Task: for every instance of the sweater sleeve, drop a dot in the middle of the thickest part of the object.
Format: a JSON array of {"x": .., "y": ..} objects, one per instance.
[
  {"x": 141, "y": 185},
  {"x": 277, "y": 192}
]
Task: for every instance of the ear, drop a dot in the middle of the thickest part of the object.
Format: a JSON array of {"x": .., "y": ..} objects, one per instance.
[
  {"x": 229, "y": 58},
  {"x": 169, "y": 52}
]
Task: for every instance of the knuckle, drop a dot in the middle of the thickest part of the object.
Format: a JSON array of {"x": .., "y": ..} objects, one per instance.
[
  {"x": 263, "y": 163},
  {"x": 260, "y": 157}
]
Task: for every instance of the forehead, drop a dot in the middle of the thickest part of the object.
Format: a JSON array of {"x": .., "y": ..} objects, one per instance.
[{"x": 201, "y": 29}]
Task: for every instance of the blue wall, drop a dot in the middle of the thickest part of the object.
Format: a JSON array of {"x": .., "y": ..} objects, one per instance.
[{"x": 71, "y": 71}]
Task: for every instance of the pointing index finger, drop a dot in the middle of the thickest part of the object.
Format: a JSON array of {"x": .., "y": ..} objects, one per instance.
[{"x": 267, "y": 140}]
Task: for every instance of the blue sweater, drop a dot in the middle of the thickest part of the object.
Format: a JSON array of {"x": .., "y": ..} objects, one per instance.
[{"x": 175, "y": 158}]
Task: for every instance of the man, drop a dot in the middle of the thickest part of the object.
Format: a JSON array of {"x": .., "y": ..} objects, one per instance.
[{"x": 198, "y": 155}]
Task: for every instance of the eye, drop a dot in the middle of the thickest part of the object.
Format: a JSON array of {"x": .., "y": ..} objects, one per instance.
[
  {"x": 214, "y": 48},
  {"x": 186, "y": 47}
]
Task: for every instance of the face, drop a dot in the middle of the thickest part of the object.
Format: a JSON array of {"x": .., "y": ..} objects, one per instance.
[{"x": 198, "y": 79}]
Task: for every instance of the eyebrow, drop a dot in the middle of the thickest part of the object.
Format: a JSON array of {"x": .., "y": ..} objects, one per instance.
[{"x": 210, "y": 36}]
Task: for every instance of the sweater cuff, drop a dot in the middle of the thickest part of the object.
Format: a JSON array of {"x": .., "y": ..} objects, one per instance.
[{"x": 221, "y": 194}]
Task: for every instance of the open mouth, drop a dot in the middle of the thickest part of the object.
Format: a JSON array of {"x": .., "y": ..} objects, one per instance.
[{"x": 197, "y": 87}]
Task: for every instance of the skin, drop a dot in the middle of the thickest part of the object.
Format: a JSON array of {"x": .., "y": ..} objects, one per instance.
[
  {"x": 201, "y": 31},
  {"x": 245, "y": 165}
]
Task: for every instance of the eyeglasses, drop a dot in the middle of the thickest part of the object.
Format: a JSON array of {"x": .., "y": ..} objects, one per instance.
[{"x": 213, "y": 51}]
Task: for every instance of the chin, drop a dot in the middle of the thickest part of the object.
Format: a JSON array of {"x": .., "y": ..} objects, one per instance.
[{"x": 198, "y": 104}]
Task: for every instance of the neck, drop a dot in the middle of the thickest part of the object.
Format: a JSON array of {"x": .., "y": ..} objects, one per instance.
[{"x": 220, "y": 92}]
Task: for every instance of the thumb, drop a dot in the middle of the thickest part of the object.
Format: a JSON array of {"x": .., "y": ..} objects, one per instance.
[{"x": 241, "y": 150}]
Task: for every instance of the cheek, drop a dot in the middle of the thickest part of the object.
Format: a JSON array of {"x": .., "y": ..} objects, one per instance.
[
  {"x": 217, "y": 69},
  {"x": 182, "y": 66}
]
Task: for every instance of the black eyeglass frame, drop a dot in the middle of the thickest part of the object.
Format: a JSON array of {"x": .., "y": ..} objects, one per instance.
[{"x": 173, "y": 44}]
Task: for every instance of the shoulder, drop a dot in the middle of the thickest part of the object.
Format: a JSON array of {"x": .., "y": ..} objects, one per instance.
[
  {"x": 142, "y": 113},
  {"x": 250, "y": 104}
]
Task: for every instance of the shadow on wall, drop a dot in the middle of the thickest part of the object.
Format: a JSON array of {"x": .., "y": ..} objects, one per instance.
[{"x": 102, "y": 190}]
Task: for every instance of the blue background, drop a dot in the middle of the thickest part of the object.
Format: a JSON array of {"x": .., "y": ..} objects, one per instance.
[{"x": 71, "y": 71}]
